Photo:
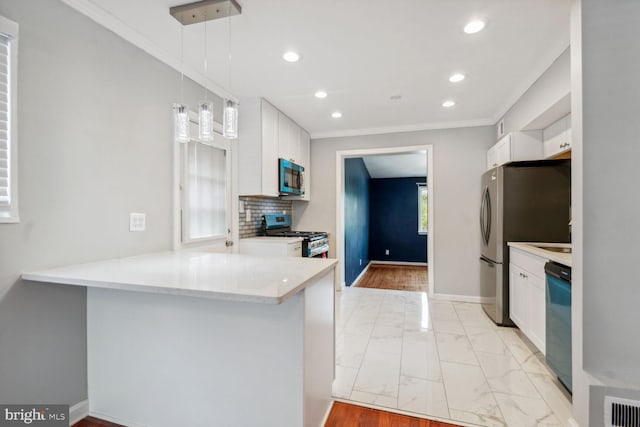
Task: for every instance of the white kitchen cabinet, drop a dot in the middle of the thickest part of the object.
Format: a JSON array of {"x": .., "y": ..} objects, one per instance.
[
  {"x": 271, "y": 246},
  {"x": 516, "y": 146},
  {"x": 288, "y": 139},
  {"x": 527, "y": 295},
  {"x": 266, "y": 134},
  {"x": 305, "y": 161},
  {"x": 258, "y": 148},
  {"x": 557, "y": 137}
]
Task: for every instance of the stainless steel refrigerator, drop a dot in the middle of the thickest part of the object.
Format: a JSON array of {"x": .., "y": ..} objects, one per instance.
[{"x": 520, "y": 202}]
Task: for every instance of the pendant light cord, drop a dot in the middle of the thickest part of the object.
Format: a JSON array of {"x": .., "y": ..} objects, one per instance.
[
  {"x": 206, "y": 59},
  {"x": 182, "y": 64}
]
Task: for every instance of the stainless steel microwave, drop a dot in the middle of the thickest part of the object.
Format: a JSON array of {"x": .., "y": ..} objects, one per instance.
[{"x": 291, "y": 178}]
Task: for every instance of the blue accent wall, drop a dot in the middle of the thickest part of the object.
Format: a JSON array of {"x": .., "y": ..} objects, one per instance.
[
  {"x": 394, "y": 220},
  {"x": 356, "y": 218}
]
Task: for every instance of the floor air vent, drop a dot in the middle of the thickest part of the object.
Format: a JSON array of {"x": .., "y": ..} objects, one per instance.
[{"x": 620, "y": 412}]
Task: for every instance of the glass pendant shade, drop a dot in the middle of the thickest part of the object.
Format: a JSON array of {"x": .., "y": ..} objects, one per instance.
[
  {"x": 205, "y": 119},
  {"x": 181, "y": 129},
  {"x": 230, "y": 120}
]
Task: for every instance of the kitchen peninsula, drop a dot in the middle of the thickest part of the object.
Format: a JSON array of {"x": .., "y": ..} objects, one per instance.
[{"x": 199, "y": 338}]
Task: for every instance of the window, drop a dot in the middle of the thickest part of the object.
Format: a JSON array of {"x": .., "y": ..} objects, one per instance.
[
  {"x": 8, "y": 129},
  {"x": 423, "y": 209},
  {"x": 205, "y": 198}
]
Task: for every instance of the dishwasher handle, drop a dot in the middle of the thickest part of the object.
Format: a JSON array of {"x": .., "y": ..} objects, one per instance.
[{"x": 558, "y": 271}]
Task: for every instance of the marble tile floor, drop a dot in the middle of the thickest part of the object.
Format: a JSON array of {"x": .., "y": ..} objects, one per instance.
[{"x": 400, "y": 350}]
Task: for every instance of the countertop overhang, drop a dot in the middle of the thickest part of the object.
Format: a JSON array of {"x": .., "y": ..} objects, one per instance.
[
  {"x": 232, "y": 277},
  {"x": 532, "y": 248}
]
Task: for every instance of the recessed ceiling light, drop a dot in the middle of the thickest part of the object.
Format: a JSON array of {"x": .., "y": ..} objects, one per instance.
[
  {"x": 457, "y": 77},
  {"x": 336, "y": 114},
  {"x": 291, "y": 56},
  {"x": 474, "y": 26},
  {"x": 321, "y": 94},
  {"x": 448, "y": 103}
]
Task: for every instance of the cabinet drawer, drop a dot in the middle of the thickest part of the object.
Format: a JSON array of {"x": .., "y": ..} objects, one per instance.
[
  {"x": 530, "y": 263},
  {"x": 294, "y": 249}
]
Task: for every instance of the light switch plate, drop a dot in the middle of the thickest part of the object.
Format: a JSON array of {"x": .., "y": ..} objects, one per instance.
[{"x": 137, "y": 221}]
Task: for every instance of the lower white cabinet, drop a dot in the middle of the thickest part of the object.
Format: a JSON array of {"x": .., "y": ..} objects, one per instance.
[
  {"x": 527, "y": 295},
  {"x": 271, "y": 246}
]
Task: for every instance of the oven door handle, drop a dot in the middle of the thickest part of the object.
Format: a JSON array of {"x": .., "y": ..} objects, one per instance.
[{"x": 318, "y": 250}]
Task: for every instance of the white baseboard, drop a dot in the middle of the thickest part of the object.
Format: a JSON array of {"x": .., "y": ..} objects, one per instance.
[
  {"x": 326, "y": 415},
  {"x": 78, "y": 411},
  {"x": 424, "y": 264},
  {"x": 463, "y": 298},
  {"x": 360, "y": 276},
  {"x": 114, "y": 419}
]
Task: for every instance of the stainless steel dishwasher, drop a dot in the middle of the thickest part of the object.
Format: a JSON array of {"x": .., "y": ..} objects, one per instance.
[{"x": 558, "y": 321}]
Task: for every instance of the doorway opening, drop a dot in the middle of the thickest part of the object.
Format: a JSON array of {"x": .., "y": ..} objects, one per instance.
[{"x": 384, "y": 218}]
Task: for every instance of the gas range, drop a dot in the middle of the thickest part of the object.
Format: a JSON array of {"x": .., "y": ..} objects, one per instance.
[{"x": 315, "y": 244}]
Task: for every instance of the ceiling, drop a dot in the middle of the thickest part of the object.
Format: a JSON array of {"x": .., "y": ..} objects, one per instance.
[
  {"x": 361, "y": 52},
  {"x": 401, "y": 165}
]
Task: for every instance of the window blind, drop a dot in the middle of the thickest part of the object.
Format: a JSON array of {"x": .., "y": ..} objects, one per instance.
[
  {"x": 207, "y": 191},
  {"x": 5, "y": 153}
]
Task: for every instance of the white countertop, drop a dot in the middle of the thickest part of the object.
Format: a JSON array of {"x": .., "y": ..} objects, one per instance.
[
  {"x": 532, "y": 248},
  {"x": 284, "y": 240},
  {"x": 232, "y": 277}
]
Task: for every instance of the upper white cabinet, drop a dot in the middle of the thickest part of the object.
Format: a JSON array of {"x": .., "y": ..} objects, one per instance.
[
  {"x": 267, "y": 134},
  {"x": 557, "y": 137},
  {"x": 258, "y": 149},
  {"x": 289, "y": 139},
  {"x": 515, "y": 146}
]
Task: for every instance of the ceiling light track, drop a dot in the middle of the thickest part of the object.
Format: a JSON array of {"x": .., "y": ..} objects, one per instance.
[{"x": 205, "y": 10}]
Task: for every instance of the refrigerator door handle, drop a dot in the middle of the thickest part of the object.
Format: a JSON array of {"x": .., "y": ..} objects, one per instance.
[
  {"x": 488, "y": 219},
  {"x": 485, "y": 216}
]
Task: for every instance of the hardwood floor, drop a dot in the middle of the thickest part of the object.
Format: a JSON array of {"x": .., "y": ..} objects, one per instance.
[
  {"x": 95, "y": 422},
  {"x": 395, "y": 277},
  {"x": 342, "y": 415},
  {"x": 345, "y": 415}
]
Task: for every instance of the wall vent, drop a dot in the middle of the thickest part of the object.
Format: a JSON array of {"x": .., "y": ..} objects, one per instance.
[{"x": 620, "y": 412}]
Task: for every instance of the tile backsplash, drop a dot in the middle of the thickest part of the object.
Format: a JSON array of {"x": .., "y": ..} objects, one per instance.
[{"x": 258, "y": 207}]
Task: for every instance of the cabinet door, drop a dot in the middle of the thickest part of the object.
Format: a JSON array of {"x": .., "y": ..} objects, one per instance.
[
  {"x": 289, "y": 139},
  {"x": 518, "y": 297},
  {"x": 269, "y": 150},
  {"x": 537, "y": 326},
  {"x": 305, "y": 160},
  {"x": 557, "y": 137},
  {"x": 504, "y": 150},
  {"x": 492, "y": 157}
]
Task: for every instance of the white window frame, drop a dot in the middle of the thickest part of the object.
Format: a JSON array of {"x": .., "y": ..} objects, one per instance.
[
  {"x": 9, "y": 213},
  {"x": 422, "y": 188},
  {"x": 182, "y": 224}
]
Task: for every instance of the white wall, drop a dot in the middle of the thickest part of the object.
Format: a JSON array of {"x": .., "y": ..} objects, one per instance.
[
  {"x": 551, "y": 87},
  {"x": 606, "y": 92},
  {"x": 459, "y": 157},
  {"x": 95, "y": 143}
]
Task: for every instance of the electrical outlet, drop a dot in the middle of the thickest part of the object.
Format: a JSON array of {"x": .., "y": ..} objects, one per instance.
[
  {"x": 386, "y": 251},
  {"x": 137, "y": 221}
]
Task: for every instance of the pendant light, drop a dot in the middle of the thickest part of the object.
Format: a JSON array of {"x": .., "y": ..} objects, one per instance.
[
  {"x": 230, "y": 115},
  {"x": 205, "y": 108},
  {"x": 181, "y": 128},
  {"x": 193, "y": 13}
]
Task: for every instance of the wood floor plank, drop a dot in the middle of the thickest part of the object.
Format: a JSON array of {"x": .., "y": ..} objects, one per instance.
[
  {"x": 95, "y": 422},
  {"x": 346, "y": 415},
  {"x": 395, "y": 277}
]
